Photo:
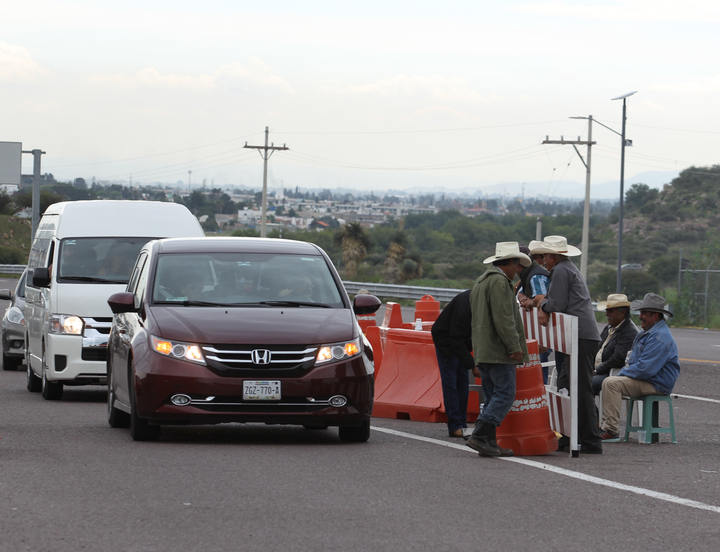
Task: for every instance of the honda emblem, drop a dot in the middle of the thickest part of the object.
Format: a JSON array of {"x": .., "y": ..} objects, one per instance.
[{"x": 261, "y": 356}]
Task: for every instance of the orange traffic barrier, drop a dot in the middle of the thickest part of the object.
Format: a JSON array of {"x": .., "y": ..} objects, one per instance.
[
  {"x": 373, "y": 336},
  {"x": 366, "y": 321},
  {"x": 408, "y": 387},
  {"x": 427, "y": 309},
  {"x": 393, "y": 316},
  {"x": 526, "y": 428}
]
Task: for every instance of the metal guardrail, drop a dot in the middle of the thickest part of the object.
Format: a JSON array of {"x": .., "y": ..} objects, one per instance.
[
  {"x": 12, "y": 269},
  {"x": 381, "y": 290},
  {"x": 402, "y": 292}
]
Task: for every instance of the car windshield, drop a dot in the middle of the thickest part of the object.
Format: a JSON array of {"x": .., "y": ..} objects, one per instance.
[
  {"x": 245, "y": 279},
  {"x": 98, "y": 260}
]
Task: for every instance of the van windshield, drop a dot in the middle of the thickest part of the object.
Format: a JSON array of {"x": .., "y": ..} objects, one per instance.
[
  {"x": 99, "y": 260},
  {"x": 245, "y": 279}
]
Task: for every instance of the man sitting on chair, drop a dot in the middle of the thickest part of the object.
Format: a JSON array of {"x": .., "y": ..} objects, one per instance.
[{"x": 651, "y": 369}]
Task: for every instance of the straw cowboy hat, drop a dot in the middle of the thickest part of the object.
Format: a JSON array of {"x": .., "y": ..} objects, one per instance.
[
  {"x": 508, "y": 250},
  {"x": 533, "y": 245},
  {"x": 651, "y": 302},
  {"x": 557, "y": 245},
  {"x": 614, "y": 300}
]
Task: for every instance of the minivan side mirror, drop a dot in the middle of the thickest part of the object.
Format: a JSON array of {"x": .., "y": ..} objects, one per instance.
[
  {"x": 123, "y": 301},
  {"x": 366, "y": 304},
  {"x": 41, "y": 278}
]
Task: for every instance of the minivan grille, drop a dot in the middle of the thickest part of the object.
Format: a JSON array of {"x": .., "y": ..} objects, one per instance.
[{"x": 260, "y": 358}]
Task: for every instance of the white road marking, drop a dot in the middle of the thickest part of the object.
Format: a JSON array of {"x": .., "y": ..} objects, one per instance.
[
  {"x": 695, "y": 398},
  {"x": 562, "y": 471}
]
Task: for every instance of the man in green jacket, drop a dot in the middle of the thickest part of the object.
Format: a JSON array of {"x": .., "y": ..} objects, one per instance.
[{"x": 498, "y": 340}]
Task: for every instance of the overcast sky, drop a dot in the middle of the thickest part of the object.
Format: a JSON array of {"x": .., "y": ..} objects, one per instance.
[{"x": 373, "y": 95}]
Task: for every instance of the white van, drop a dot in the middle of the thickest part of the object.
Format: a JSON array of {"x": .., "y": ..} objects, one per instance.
[{"x": 82, "y": 253}]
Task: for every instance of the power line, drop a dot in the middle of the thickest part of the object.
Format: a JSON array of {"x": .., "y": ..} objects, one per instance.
[
  {"x": 158, "y": 154},
  {"x": 417, "y": 131}
]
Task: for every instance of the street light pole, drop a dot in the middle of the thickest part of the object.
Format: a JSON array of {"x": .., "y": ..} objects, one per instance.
[{"x": 618, "y": 287}]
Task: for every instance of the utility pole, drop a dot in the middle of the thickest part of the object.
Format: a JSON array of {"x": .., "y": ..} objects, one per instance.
[
  {"x": 36, "y": 153},
  {"x": 266, "y": 152},
  {"x": 586, "y": 213}
]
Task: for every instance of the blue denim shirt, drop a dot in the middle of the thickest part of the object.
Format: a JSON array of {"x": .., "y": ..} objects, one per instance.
[{"x": 654, "y": 358}]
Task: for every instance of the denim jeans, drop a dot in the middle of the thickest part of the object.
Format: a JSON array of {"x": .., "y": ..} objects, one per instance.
[
  {"x": 498, "y": 383},
  {"x": 455, "y": 382}
]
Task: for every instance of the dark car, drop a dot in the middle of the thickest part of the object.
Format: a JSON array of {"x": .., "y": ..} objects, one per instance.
[
  {"x": 13, "y": 326},
  {"x": 214, "y": 330}
]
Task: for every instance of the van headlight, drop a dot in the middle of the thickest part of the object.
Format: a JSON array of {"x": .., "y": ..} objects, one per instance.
[
  {"x": 66, "y": 324},
  {"x": 15, "y": 316},
  {"x": 178, "y": 349},
  {"x": 338, "y": 351}
]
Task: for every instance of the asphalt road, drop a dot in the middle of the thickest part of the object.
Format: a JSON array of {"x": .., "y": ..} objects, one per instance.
[{"x": 69, "y": 482}]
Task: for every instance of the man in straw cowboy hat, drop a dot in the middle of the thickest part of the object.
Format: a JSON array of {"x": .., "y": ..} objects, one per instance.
[
  {"x": 498, "y": 340},
  {"x": 652, "y": 368},
  {"x": 617, "y": 338},
  {"x": 569, "y": 294}
]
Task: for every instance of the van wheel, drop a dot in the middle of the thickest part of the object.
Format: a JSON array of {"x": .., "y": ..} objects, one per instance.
[
  {"x": 140, "y": 430},
  {"x": 358, "y": 434},
  {"x": 33, "y": 382},
  {"x": 116, "y": 418},
  {"x": 51, "y": 390},
  {"x": 10, "y": 363}
]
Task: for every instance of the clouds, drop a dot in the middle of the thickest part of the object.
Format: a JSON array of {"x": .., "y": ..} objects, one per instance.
[
  {"x": 254, "y": 76},
  {"x": 17, "y": 66}
]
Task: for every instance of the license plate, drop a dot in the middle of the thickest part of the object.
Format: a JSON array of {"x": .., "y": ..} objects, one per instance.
[{"x": 261, "y": 390}]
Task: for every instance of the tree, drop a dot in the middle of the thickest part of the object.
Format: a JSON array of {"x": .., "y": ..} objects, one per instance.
[
  {"x": 639, "y": 195},
  {"x": 354, "y": 243},
  {"x": 395, "y": 255}
]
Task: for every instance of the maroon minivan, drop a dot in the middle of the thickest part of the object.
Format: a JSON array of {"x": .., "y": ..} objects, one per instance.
[{"x": 214, "y": 330}]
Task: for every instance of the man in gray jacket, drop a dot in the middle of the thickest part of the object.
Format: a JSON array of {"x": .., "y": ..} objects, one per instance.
[
  {"x": 569, "y": 294},
  {"x": 498, "y": 341}
]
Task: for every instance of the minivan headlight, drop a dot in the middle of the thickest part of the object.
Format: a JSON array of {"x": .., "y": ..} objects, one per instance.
[
  {"x": 66, "y": 324},
  {"x": 178, "y": 349},
  {"x": 15, "y": 316},
  {"x": 338, "y": 351}
]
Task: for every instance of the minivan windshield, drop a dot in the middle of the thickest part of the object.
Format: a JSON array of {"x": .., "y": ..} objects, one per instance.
[
  {"x": 98, "y": 260},
  {"x": 245, "y": 279}
]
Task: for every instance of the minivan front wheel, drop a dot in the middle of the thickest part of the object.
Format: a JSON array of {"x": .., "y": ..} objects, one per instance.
[
  {"x": 116, "y": 418},
  {"x": 355, "y": 434},
  {"x": 140, "y": 430},
  {"x": 51, "y": 390}
]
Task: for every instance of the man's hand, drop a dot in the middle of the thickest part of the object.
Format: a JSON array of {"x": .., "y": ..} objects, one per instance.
[
  {"x": 476, "y": 371},
  {"x": 516, "y": 356},
  {"x": 525, "y": 301},
  {"x": 543, "y": 317}
]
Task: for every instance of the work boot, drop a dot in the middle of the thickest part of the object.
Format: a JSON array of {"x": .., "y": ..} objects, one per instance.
[
  {"x": 493, "y": 441},
  {"x": 480, "y": 440}
]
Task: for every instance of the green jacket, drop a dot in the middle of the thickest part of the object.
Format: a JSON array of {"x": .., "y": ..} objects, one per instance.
[{"x": 497, "y": 328}]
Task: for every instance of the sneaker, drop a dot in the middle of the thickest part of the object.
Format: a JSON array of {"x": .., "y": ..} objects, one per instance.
[{"x": 610, "y": 437}]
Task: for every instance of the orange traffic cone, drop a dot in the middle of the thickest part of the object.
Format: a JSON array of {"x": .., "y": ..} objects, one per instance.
[{"x": 526, "y": 428}]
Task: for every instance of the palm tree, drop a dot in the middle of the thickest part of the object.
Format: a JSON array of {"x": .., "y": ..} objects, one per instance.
[
  {"x": 354, "y": 243},
  {"x": 395, "y": 255}
]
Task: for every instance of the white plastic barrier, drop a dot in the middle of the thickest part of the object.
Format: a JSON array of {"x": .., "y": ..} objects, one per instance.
[{"x": 561, "y": 334}]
